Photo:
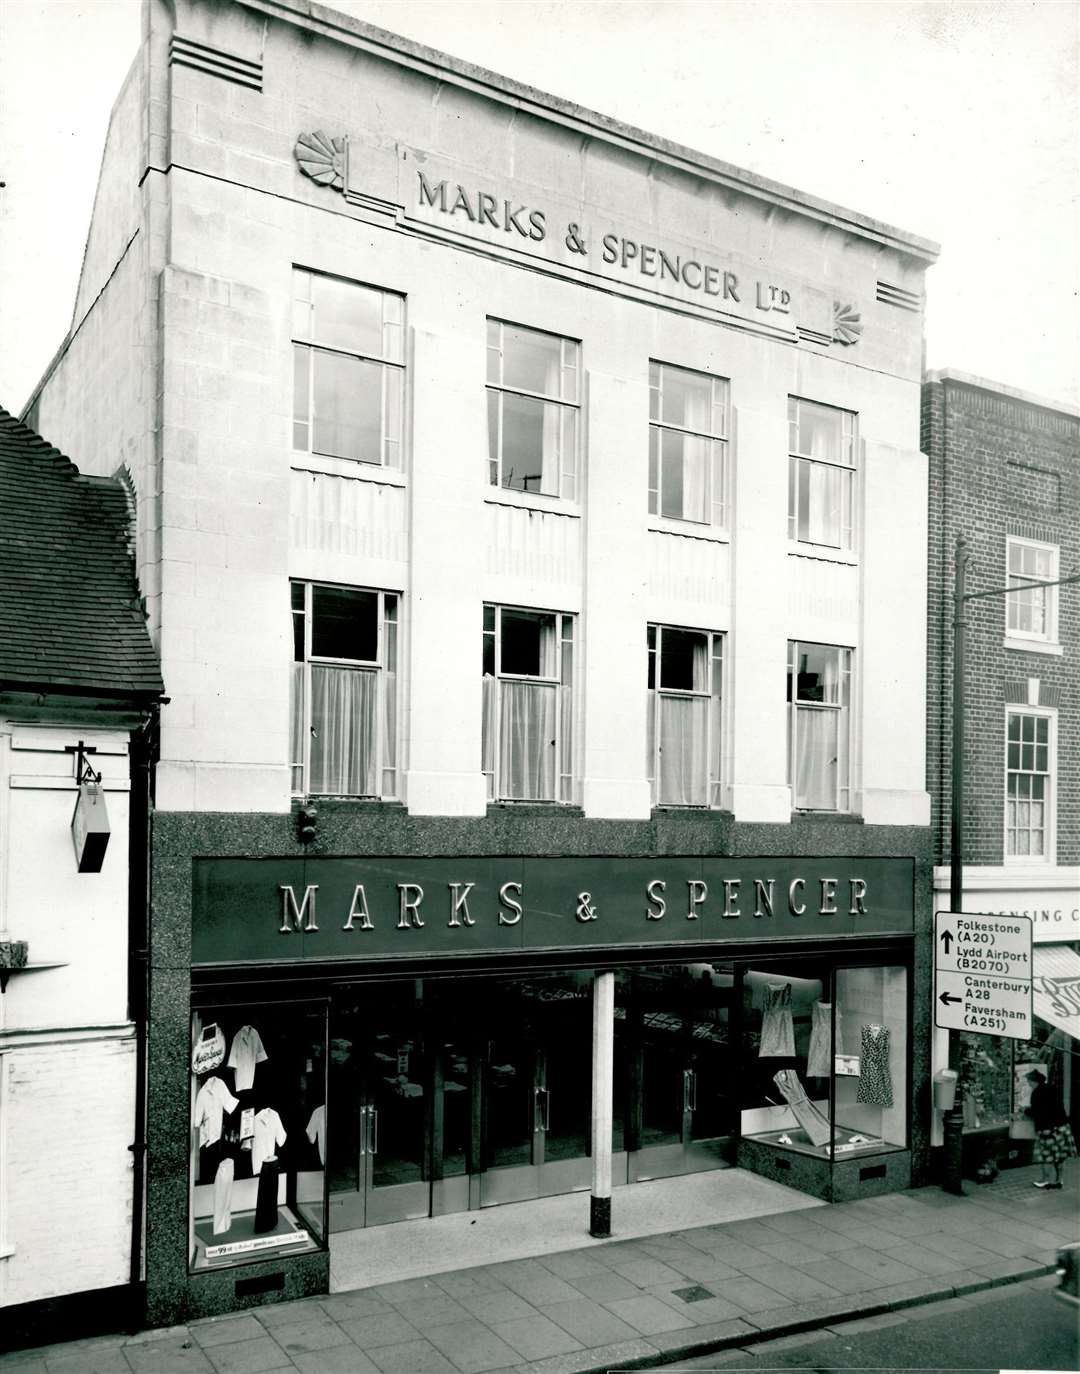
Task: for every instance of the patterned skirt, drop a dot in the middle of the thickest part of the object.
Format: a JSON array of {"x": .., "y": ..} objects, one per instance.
[{"x": 1053, "y": 1146}]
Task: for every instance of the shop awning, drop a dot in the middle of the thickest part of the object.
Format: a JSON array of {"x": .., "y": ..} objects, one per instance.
[{"x": 1057, "y": 987}]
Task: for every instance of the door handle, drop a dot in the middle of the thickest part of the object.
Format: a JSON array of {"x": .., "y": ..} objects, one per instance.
[
  {"x": 689, "y": 1090},
  {"x": 363, "y": 1130},
  {"x": 543, "y": 1109},
  {"x": 373, "y": 1117}
]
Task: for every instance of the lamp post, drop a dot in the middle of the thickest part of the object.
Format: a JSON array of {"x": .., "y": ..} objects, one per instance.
[{"x": 953, "y": 1120}]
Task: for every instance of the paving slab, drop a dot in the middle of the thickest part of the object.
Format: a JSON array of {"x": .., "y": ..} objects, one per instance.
[
  {"x": 536, "y": 1337},
  {"x": 472, "y": 1346}
]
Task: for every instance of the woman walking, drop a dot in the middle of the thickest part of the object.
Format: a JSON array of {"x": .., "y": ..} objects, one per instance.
[{"x": 1053, "y": 1139}]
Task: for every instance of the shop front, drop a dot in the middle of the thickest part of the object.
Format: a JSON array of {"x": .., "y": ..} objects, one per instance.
[{"x": 381, "y": 1039}]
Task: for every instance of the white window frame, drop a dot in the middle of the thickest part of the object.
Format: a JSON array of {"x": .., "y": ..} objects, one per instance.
[
  {"x": 718, "y": 474},
  {"x": 569, "y": 456},
  {"x": 391, "y": 361},
  {"x": 845, "y": 780},
  {"x": 714, "y": 729},
  {"x": 563, "y": 681},
  {"x": 1014, "y": 601},
  {"x": 1047, "y": 857},
  {"x": 388, "y": 763},
  {"x": 847, "y": 465}
]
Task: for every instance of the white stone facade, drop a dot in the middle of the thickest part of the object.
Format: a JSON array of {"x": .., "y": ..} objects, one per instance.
[{"x": 186, "y": 301}]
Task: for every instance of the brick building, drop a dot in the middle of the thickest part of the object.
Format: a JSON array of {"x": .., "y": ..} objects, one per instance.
[
  {"x": 1005, "y": 476},
  {"x": 542, "y": 501},
  {"x": 76, "y": 669}
]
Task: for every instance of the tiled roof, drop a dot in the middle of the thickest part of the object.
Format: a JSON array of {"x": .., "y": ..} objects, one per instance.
[{"x": 70, "y": 616}]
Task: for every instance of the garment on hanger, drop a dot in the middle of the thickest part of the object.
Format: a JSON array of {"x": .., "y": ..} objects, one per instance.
[
  {"x": 269, "y": 1134},
  {"x": 875, "y": 1077},
  {"x": 819, "y": 1058},
  {"x": 223, "y": 1182},
  {"x": 777, "y": 1027},
  {"x": 806, "y": 1114},
  {"x": 316, "y": 1131},
  {"x": 212, "y": 1101},
  {"x": 245, "y": 1052}
]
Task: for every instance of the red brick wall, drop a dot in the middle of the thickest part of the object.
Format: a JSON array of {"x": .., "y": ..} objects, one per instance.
[{"x": 998, "y": 466}]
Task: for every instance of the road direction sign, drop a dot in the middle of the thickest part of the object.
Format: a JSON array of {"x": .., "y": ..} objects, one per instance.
[{"x": 983, "y": 973}]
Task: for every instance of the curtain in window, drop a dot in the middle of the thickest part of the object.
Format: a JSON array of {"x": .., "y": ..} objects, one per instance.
[
  {"x": 683, "y": 757},
  {"x": 487, "y": 746},
  {"x": 816, "y": 761},
  {"x": 526, "y": 737},
  {"x": 695, "y": 476},
  {"x": 823, "y": 503},
  {"x": 343, "y": 739},
  {"x": 296, "y": 727},
  {"x": 389, "y": 781}
]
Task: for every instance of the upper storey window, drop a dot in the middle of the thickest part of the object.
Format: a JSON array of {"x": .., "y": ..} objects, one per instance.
[
  {"x": 1032, "y": 610},
  {"x": 533, "y": 396},
  {"x": 821, "y": 475},
  {"x": 819, "y": 726},
  {"x": 348, "y": 370},
  {"x": 688, "y": 430}
]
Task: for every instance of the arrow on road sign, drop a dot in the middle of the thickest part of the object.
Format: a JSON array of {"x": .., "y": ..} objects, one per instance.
[
  {"x": 947, "y": 997},
  {"x": 947, "y": 938}
]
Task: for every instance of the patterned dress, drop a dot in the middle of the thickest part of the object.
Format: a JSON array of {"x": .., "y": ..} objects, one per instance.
[
  {"x": 777, "y": 1027},
  {"x": 875, "y": 1079}
]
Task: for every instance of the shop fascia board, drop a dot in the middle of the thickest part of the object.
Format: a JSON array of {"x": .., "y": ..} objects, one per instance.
[{"x": 443, "y": 68}]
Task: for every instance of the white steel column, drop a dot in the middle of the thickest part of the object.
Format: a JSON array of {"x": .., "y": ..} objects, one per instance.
[{"x": 603, "y": 1064}]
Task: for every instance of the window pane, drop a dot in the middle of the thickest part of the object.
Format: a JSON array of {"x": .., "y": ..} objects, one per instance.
[
  {"x": 820, "y": 494},
  {"x": 683, "y": 751},
  {"x": 686, "y": 400},
  {"x": 684, "y": 660},
  {"x": 301, "y": 365},
  {"x": 348, "y": 405},
  {"x": 819, "y": 673},
  {"x": 530, "y": 444},
  {"x": 348, "y": 316},
  {"x": 818, "y": 433},
  {"x": 531, "y": 360},
  {"x": 528, "y": 644},
  {"x": 344, "y": 623}
]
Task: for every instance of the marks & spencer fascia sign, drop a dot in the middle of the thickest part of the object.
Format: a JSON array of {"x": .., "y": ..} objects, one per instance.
[
  {"x": 510, "y": 224},
  {"x": 394, "y": 907}
]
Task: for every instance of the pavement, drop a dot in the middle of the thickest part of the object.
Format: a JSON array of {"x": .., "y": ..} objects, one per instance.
[{"x": 730, "y": 1287}]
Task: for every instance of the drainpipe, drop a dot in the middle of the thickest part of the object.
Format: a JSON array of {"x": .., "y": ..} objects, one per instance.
[{"x": 143, "y": 756}]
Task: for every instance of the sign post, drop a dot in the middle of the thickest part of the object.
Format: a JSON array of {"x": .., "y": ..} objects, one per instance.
[{"x": 983, "y": 974}]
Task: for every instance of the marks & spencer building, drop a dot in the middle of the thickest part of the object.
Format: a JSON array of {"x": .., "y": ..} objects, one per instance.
[{"x": 541, "y": 501}]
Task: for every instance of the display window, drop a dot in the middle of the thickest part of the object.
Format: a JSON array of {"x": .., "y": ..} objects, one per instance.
[
  {"x": 258, "y": 1133},
  {"x": 993, "y": 1088},
  {"x": 825, "y": 1055}
]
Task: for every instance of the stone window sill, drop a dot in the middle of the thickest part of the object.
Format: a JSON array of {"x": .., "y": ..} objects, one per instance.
[{"x": 1034, "y": 646}]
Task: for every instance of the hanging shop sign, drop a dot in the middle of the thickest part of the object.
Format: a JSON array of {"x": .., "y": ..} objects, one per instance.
[
  {"x": 983, "y": 974},
  {"x": 399, "y": 907}
]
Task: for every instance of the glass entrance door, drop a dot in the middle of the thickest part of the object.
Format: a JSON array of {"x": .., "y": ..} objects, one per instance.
[
  {"x": 675, "y": 1061},
  {"x": 380, "y": 1089},
  {"x": 537, "y": 1085}
]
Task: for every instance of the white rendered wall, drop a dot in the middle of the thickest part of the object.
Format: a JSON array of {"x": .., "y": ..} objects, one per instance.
[{"x": 67, "y": 1052}]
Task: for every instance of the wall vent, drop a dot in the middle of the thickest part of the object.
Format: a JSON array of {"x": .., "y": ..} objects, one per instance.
[
  {"x": 898, "y": 296},
  {"x": 872, "y": 1171},
  {"x": 201, "y": 57},
  {"x": 1016, "y": 693},
  {"x": 263, "y": 1283}
]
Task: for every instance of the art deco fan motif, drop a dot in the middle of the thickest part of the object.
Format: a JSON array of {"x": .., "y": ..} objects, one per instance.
[
  {"x": 322, "y": 158},
  {"x": 847, "y": 324}
]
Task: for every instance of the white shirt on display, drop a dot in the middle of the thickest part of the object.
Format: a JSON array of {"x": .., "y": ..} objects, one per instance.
[
  {"x": 211, "y": 1102},
  {"x": 269, "y": 1134},
  {"x": 245, "y": 1052},
  {"x": 316, "y": 1131}
]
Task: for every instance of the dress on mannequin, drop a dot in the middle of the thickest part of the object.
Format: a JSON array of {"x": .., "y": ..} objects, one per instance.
[
  {"x": 875, "y": 1077},
  {"x": 777, "y": 1027}
]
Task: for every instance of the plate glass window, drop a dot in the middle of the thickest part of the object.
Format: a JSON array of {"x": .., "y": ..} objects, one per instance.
[
  {"x": 821, "y": 475},
  {"x": 528, "y": 704},
  {"x": 1028, "y": 785},
  {"x": 685, "y": 677},
  {"x": 1031, "y": 611},
  {"x": 819, "y": 726},
  {"x": 344, "y": 691},
  {"x": 688, "y": 458},
  {"x": 348, "y": 370},
  {"x": 533, "y": 398}
]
